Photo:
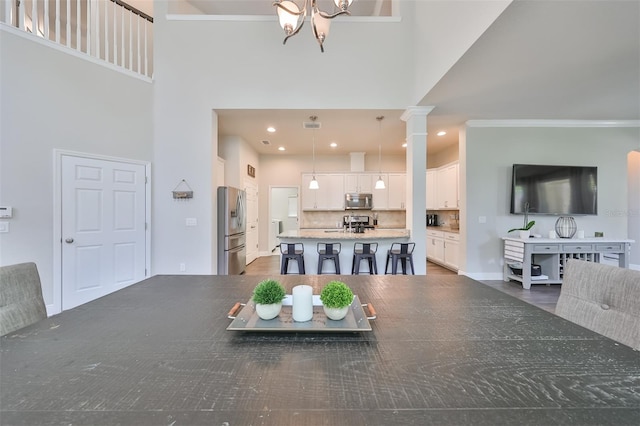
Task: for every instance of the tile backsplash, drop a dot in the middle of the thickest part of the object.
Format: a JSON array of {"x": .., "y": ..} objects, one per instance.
[{"x": 326, "y": 219}]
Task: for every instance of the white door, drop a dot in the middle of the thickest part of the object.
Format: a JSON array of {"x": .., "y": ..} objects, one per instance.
[
  {"x": 103, "y": 227},
  {"x": 252, "y": 220}
]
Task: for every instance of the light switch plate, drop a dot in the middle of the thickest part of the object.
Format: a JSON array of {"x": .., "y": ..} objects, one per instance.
[
  {"x": 4, "y": 226},
  {"x": 6, "y": 212},
  {"x": 192, "y": 221}
]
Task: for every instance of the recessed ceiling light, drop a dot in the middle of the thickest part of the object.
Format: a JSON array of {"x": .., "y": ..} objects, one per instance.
[
  {"x": 333, "y": 144},
  {"x": 404, "y": 145},
  {"x": 271, "y": 129},
  {"x": 441, "y": 133},
  {"x": 281, "y": 148}
]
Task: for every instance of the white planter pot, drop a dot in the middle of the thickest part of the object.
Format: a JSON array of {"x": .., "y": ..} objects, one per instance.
[
  {"x": 336, "y": 313},
  {"x": 267, "y": 312},
  {"x": 525, "y": 235}
]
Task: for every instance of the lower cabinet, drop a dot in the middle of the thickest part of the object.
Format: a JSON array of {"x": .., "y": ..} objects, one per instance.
[
  {"x": 451, "y": 250},
  {"x": 443, "y": 248}
]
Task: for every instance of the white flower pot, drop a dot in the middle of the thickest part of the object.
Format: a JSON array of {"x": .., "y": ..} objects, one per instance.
[
  {"x": 336, "y": 313},
  {"x": 525, "y": 234},
  {"x": 267, "y": 312}
]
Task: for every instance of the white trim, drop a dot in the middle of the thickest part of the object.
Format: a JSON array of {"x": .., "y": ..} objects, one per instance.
[
  {"x": 419, "y": 111},
  {"x": 553, "y": 123},
  {"x": 486, "y": 276},
  {"x": 72, "y": 52},
  {"x": 56, "y": 306}
]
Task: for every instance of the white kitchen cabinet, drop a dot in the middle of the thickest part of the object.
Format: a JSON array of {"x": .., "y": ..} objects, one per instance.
[
  {"x": 435, "y": 246},
  {"x": 451, "y": 250},
  {"x": 359, "y": 182},
  {"x": 329, "y": 195},
  {"x": 396, "y": 189},
  {"x": 447, "y": 186},
  {"x": 432, "y": 187}
]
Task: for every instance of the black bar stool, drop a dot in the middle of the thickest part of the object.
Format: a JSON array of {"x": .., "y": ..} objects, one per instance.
[
  {"x": 292, "y": 251},
  {"x": 329, "y": 251},
  {"x": 400, "y": 252},
  {"x": 364, "y": 251}
]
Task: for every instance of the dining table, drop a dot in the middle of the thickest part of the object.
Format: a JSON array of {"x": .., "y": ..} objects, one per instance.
[{"x": 442, "y": 350}]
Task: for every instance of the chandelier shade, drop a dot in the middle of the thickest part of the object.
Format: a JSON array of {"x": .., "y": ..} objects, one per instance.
[
  {"x": 292, "y": 16},
  {"x": 380, "y": 183}
]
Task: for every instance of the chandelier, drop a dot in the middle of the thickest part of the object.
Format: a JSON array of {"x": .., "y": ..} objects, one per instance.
[{"x": 292, "y": 17}]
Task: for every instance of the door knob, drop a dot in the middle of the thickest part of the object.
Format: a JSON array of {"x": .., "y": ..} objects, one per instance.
[{"x": 68, "y": 240}]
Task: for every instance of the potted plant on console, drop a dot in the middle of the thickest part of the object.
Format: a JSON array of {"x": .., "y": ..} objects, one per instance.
[
  {"x": 268, "y": 296},
  {"x": 336, "y": 299},
  {"x": 525, "y": 231}
]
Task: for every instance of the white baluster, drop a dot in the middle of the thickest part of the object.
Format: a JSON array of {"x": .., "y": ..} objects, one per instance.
[
  {"x": 131, "y": 18},
  {"x": 79, "y": 26},
  {"x": 146, "y": 48},
  {"x": 58, "y": 21},
  {"x": 115, "y": 33},
  {"x": 106, "y": 31},
  {"x": 67, "y": 35},
  {"x": 46, "y": 20},
  {"x": 122, "y": 34},
  {"x": 34, "y": 17},
  {"x": 21, "y": 7}
]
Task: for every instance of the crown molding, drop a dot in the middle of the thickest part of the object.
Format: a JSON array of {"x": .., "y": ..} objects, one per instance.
[
  {"x": 413, "y": 111},
  {"x": 553, "y": 123}
]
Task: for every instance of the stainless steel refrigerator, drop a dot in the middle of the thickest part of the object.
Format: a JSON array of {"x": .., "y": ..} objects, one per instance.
[{"x": 232, "y": 251}]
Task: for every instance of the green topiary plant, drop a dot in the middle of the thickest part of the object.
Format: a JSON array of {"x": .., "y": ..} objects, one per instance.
[
  {"x": 268, "y": 292},
  {"x": 336, "y": 294}
]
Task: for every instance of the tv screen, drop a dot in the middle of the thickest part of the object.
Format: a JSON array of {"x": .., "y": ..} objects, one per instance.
[{"x": 557, "y": 190}]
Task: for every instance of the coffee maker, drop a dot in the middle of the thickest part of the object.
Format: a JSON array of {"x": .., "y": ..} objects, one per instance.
[{"x": 432, "y": 220}]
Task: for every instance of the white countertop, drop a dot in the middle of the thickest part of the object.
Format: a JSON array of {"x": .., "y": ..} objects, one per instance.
[{"x": 335, "y": 234}]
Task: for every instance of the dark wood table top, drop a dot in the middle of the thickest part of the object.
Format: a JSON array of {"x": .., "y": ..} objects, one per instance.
[{"x": 444, "y": 350}]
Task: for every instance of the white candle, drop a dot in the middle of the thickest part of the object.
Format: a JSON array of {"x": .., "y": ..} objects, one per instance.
[
  {"x": 581, "y": 234},
  {"x": 302, "y": 308}
]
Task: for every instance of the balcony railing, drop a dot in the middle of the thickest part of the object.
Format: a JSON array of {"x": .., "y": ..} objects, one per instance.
[{"x": 109, "y": 30}]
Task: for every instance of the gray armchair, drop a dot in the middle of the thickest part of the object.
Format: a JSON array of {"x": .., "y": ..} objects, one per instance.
[{"x": 602, "y": 298}]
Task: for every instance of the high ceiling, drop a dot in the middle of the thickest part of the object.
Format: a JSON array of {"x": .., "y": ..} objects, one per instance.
[{"x": 577, "y": 60}]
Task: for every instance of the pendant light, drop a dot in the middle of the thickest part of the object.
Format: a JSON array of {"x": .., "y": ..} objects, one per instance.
[
  {"x": 314, "y": 183},
  {"x": 380, "y": 182}
]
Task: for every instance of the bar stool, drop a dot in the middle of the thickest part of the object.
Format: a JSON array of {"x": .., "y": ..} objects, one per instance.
[
  {"x": 292, "y": 251},
  {"x": 364, "y": 251},
  {"x": 400, "y": 252},
  {"x": 329, "y": 251}
]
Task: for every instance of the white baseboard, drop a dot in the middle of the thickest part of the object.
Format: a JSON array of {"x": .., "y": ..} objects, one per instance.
[{"x": 485, "y": 276}]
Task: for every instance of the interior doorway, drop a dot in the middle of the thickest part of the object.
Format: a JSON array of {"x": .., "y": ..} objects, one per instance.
[{"x": 283, "y": 214}]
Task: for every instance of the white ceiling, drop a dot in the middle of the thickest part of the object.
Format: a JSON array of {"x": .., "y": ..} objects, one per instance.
[{"x": 576, "y": 60}]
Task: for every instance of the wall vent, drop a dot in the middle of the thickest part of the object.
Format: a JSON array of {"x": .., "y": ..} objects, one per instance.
[
  {"x": 265, "y": 142},
  {"x": 310, "y": 124}
]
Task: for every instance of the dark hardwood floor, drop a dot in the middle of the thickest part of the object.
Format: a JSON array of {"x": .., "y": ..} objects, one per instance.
[{"x": 542, "y": 296}]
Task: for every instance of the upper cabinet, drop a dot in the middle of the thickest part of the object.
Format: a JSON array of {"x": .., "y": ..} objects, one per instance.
[
  {"x": 432, "y": 185},
  {"x": 329, "y": 195},
  {"x": 359, "y": 182},
  {"x": 397, "y": 190},
  {"x": 447, "y": 186}
]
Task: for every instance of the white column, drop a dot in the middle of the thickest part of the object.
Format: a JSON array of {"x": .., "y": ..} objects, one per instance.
[{"x": 416, "y": 119}]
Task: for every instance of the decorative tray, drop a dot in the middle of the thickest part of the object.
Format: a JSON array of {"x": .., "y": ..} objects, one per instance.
[{"x": 247, "y": 319}]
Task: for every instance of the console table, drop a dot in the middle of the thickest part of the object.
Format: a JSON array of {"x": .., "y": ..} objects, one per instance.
[{"x": 551, "y": 254}]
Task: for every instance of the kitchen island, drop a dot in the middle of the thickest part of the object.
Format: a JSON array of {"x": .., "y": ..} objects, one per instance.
[{"x": 310, "y": 238}]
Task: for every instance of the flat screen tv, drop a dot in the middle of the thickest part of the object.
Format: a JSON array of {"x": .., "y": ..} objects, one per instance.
[{"x": 555, "y": 190}]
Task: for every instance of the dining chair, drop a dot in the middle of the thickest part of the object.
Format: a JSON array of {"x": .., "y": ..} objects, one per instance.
[{"x": 21, "y": 301}]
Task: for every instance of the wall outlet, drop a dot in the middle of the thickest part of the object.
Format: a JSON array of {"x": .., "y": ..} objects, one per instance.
[
  {"x": 191, "y": 221},
  {"x": 183, "y": 267}
]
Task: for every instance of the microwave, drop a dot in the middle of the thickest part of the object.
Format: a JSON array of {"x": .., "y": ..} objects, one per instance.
[{"x": 353, "y": 201}]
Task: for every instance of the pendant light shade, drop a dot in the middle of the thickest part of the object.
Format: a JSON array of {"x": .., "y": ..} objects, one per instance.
[
  {"x": 380, "y": 183},
  {"x": 314, "y": 183}
]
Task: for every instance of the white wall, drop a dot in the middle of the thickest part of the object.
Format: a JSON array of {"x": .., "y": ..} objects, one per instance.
[
  {"x": 490, "y": 154},
  {"x": 53, "y": 100},
  {"x": 633, "y": 212}
]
